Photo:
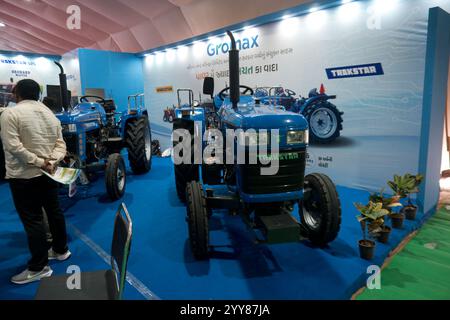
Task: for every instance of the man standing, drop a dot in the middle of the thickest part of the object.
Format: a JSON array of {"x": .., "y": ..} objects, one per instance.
[{"x": 32, "y": 140}]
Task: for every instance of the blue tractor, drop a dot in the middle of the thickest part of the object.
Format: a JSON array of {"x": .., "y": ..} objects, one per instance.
[
  {"x": 324, "y": 118},
  {"x": 95, "y": 134},
  {"x": 265, "y": 202}
]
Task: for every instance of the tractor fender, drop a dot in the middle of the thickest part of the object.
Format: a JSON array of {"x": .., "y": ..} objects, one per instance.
[{"x": 309, "y": 103}]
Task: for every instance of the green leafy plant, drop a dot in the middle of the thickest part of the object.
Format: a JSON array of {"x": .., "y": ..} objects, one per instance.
[
  {"x": 406, "y": 185},
  {"x": 372, "y": 217},
  {"x": 388, "y": 203}
]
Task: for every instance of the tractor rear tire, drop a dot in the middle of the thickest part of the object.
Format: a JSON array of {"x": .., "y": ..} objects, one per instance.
[
  {"x": 320, "y": 213},
  {"x": 139, "y": 145},
  {"x": 2, "y": 162},
  {"x": 185, "y": 173},
  {"x": 334, "y": 115},
  {"x": 115, "y": 176},
  {"x": 197, "y": 217}
]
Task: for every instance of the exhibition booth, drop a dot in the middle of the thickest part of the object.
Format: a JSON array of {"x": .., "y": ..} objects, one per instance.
[{"x": 381, "y": 70}]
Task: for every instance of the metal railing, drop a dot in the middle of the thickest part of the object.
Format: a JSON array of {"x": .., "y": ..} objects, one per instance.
[{"x": 136, "y": 103}]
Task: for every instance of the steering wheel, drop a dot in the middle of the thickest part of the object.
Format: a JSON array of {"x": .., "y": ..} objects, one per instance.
[
  {"x": 261, "y": 92},
  {"x": 84, "y": 99},
  {"x": 223, "y": 95},
  {"x": 290, "y": 92}
]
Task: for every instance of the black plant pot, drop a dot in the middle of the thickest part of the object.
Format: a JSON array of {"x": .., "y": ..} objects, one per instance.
[
  {"x": 410, "y": 212},
  {"x": 397, "y": 220},
  {"x": 383, "y": 236},
  {"x": 367, "y": 249}
]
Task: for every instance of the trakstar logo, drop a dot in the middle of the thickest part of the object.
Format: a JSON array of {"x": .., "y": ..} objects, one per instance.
[
  {"x": 365, "y": 70},
  {"x": 224, "y": 47}
]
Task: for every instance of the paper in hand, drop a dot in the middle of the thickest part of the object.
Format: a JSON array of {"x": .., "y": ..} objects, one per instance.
[{"x": 64, "y": 175}]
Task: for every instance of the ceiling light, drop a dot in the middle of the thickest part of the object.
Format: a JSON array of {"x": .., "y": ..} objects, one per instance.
[{"x": 2, "y": 24}]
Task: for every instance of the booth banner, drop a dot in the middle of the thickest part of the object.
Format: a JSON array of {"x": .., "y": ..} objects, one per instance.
[
  {"x": 71, "y": 63},
  {"x": 370, "y": 54},
  {"x": 14, "y": 68}
]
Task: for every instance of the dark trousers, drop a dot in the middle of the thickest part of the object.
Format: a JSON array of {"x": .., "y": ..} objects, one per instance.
[{"x": 30, "y": 197}]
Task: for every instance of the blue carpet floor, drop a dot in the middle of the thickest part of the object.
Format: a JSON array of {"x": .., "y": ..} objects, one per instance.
[{"x": 161, "y": 264}]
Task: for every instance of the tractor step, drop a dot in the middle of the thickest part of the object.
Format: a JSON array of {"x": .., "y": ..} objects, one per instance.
[{"x": 280, "y": 228}]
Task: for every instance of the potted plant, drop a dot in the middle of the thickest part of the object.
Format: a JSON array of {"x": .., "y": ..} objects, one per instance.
[
  {"x": 405, "y": 186},
  {"x": 389, "y": 203},
  {"x": 372, "y": 221}
]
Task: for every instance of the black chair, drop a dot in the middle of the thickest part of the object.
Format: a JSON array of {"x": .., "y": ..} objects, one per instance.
[{"x": 99, "y": 285}]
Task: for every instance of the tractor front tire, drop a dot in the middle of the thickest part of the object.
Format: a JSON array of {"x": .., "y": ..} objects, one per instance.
[
  {"x": 197, "y": 217},
  {"x": 320, "y": 210},
  {"x": 115, "y": 176},
  {"x": 139, "y": 145}
]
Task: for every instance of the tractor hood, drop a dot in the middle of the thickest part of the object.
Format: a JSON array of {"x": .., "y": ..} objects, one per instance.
[
  {"x": 83, "y": 113},
  {"x": 250, "y": 115}
]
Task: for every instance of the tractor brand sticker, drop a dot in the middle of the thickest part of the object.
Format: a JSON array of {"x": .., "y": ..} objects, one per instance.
[
  {"x": 241, "y": 44},
  {"x": 365, "y": 70},
  {"x": 278, "y": 157},
  {"x": 164, "y": 89}
]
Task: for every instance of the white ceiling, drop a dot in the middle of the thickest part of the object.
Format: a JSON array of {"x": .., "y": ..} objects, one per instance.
[{"x": 39, "y": 26}]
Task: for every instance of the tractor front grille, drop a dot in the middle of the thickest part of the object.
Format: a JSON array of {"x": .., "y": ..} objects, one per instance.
[{"x": 290, "y": 176}]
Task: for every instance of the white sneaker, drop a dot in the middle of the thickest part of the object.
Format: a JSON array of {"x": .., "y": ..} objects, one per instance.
[
  {"x": 28, "y": 276},
  {"x": 52, "y": 255}
]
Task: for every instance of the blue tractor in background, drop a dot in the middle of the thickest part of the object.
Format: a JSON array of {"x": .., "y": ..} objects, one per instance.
[
  {"x": 170, "y": 112},
  {"x": 324, "y": 118},
  {"x": 265, "y": 202},
  {"x": 95, "y": 134}
]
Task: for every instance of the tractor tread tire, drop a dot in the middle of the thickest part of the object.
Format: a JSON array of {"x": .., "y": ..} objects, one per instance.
[
  {"x": 331, "y": 210},
  {"x": 197, "y": 216},
  {"x": 328, "y": 105},
  {"x": 135, "y": 142},
  {"x": 115, "y": 161},
  {"x": 184, "y": 173}
]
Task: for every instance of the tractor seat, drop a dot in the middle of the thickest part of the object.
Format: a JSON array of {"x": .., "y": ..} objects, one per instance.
[{"x": 109, "y": 106}]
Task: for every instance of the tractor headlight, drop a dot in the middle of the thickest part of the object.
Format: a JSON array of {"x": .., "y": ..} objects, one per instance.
[{"x": 298, "y": 137}]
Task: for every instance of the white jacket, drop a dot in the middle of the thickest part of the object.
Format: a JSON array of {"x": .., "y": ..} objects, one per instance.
[{"x": 30, "y": 133}]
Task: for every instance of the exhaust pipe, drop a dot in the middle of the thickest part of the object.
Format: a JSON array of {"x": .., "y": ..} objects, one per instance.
[
  {"x": 234, "y": 72},
  {"x": 63, "y": 87}
]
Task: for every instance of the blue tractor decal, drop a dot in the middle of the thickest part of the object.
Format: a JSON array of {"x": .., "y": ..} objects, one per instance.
[
  {"x": 95, "y": 134},
  {"x": 324, "y": 118},
  {"x": 265, "y": 202}
]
